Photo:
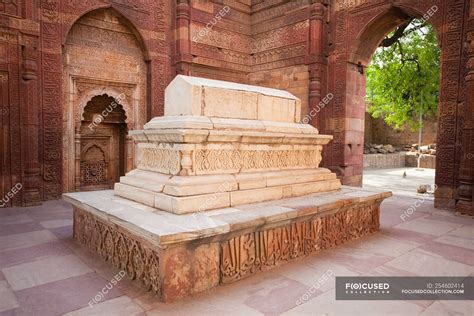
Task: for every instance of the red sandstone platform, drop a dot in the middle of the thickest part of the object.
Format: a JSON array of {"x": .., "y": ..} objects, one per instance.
[{"x": 179, "y": 255}]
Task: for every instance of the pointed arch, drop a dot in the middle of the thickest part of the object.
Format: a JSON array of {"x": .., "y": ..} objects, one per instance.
[
  {"x": 124, "y": 19},
  {"x": 370, "y": 37}
]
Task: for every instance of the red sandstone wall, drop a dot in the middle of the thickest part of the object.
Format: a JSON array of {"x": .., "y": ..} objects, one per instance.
[
  {"x": 378, "y": 132},
  {"x": 310, "y": 48},
  {"x": 31, "y": 60},
  {"x": 220, "y": 40},
  {"x": 280, "y": 46},
  {"x": 356, "y": 29}
]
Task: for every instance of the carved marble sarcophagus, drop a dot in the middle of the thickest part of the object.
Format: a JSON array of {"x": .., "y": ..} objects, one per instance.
[{"x": 224, "y": 144}]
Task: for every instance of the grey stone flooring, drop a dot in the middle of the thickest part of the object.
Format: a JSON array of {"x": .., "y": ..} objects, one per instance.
[{"x": 393, "y": 180}]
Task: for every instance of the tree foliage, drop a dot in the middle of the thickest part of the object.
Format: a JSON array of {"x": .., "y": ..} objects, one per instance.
[{"x": 403, "y": 76}]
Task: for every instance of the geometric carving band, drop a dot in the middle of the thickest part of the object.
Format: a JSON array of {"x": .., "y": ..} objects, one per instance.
[
  {"x": 94, "y": 173},
  {"x": 160, "y": 160}
]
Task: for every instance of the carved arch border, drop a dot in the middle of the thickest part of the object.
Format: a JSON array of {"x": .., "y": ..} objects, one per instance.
[
  {"x": 84, "y": 89},
  {"x": 127, "y": 20},
  {"x": 393, "y": 14},
  {"x": 89, "y": 146}
]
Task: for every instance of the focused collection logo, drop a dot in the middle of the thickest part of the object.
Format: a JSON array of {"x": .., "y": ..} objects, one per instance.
[{"x": 367, "y": 288}]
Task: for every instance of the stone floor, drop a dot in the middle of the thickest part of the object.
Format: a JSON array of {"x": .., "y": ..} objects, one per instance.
[
  {"x": 44, "y": 272},
  {"x": 393, "y": 180}
]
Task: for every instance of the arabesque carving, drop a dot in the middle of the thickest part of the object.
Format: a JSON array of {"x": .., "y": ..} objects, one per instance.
[
  {"x": 160, "y": 160},
  {"x": 246, "y": 160},
  {"x": 248, "y": 254},
  {"x": 241, "y": 256},
  {"x": 138, "y": 260}
]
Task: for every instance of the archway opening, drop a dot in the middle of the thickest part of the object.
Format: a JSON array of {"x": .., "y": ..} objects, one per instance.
[
  {"x": 395, "y": 81},
  {"x": 102, "y": 144}
]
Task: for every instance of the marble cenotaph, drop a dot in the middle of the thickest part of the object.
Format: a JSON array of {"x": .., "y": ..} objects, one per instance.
[{"x": 228, "y": 184}]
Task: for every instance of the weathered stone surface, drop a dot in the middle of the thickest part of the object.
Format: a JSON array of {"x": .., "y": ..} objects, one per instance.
[
  {"x": 70, "y": 51},
  {"x": 216, "y": 148},
  {"x": 189, "y": 270},
  {"x": 193, "y": 96},
  {"x": 383, "y": 161},
  {"x": 180, "y": 255},
  {"x": 166, "y": 228}
]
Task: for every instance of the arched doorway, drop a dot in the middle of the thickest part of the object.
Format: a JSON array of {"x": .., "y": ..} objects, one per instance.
[
  {"x": 402, "y": 89},
  {"x": 103, "y": 68},
  {"x": 102, "y": 144},
  {"x": 393, "y": 19},
  {"x": 358, "y": 32}
]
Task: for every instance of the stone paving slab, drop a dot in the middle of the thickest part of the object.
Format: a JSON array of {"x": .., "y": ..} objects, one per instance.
[
  {"x": 40, "y": 272},
  {"x": 414, "y": 253}
]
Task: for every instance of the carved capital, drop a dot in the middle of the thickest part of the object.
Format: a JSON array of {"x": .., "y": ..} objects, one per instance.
[
  {"x": 183, "y": 10},
  {"x": 317, "y": 10},
  {"x": 29, "y": 58}
]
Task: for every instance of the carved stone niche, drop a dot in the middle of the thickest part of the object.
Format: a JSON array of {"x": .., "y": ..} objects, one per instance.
[
  {"x": 81, "y": 92},
  {"x": 84, "y": 89},
  {"x": 223, "y": 144}
]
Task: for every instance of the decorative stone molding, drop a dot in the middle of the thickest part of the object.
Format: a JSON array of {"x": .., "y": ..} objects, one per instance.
[
  {"x": 137, "y": 258},
  {"x": 349, "y": 4},
  {"x": 160, "y": 160},
  {"x": 85, "y": 89},
  {"x": 257, "y": 251},
  {"x": 175, "y": 256},
  {"x": 253, "y": 160},
  {"x": 210, "y": 161}
]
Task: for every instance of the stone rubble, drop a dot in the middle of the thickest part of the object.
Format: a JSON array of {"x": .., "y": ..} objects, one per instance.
[{"x": 390, "y": 149}]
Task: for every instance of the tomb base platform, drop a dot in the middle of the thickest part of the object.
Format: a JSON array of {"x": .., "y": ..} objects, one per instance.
[{"x": 176, "y": 256}]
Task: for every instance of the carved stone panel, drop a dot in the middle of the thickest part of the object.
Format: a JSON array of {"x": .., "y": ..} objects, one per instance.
[
  {"x": 11, "y": 7},
  {"x": 102, "y": 156},
  {"x": 94, "y": 167},
  {"x": 94, "y": 163},
  {"x": 137, "y": 259},
  {"x": 3, "y": 52},
  {"x": 5, "y": 179},
  {"x": 207, "y": 161},
  {"x": 250, "y": 253}
]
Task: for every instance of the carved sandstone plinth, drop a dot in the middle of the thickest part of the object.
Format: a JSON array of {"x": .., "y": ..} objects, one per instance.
[
  {"x": 224, "y": 144},
  {"x": 180, "y": 255},
  {"x": 228, "y": 185}
]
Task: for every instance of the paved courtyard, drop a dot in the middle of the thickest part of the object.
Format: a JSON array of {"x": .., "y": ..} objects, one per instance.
[
  {"x": 44, "y": 272},
  {"x": 393, "y": 180}
]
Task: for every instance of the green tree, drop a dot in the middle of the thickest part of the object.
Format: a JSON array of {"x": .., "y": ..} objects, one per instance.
[{"x": 403, "y": 76}]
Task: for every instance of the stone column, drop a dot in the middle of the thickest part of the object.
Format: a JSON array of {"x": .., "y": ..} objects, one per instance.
[
  {"x": 77, "y": 158},
  {"x": 316, "y": 59},
  {"x": 464, "y": 203},
  {"x": 30, "y": 120},
  {"x": 183, "y": 42}
]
